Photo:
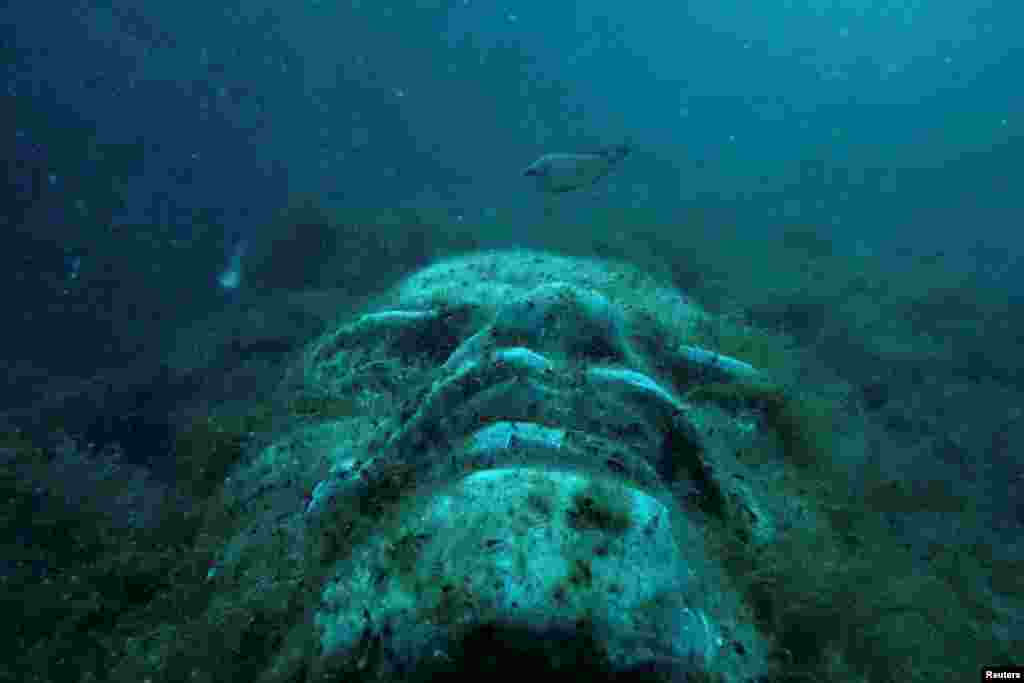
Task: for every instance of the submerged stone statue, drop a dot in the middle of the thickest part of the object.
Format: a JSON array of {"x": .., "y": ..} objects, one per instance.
[{"x": 519, "y": 480}]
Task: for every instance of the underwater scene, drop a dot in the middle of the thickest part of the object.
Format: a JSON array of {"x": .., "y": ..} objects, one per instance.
[{"x": 373, "y": 341}]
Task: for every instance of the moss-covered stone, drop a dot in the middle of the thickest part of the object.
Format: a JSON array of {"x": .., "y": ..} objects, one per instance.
[
  {"x": 804, "y": 424},
  {"x": 601, "y": 506}
]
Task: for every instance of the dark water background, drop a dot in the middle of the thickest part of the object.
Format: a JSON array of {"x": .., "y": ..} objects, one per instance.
[{"x": 146, "y": 138}]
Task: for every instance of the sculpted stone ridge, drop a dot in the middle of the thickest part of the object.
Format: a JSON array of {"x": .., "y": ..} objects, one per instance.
[{"x": 521, "y": 463}]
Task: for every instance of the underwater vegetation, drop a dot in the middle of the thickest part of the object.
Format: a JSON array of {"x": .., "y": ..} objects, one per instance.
[
  {"x": 840, "y": 597},
  {"x": 844, "y": 599}
]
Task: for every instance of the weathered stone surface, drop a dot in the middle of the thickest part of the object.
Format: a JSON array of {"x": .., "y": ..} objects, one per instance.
[{"x": 519, "y": 466}]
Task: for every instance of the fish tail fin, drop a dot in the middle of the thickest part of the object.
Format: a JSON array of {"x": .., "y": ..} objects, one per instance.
[{"x": 616, "y": 153}]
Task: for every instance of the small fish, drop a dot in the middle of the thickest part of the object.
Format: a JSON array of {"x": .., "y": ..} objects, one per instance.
[{"x": 564, "y": 172}]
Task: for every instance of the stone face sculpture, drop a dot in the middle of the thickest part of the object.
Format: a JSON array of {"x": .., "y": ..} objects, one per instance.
[{"x": 523, "y": 481}]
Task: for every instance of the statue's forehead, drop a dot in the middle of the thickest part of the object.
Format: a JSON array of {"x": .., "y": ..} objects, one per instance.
[{"x": 491, "y": 280}]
